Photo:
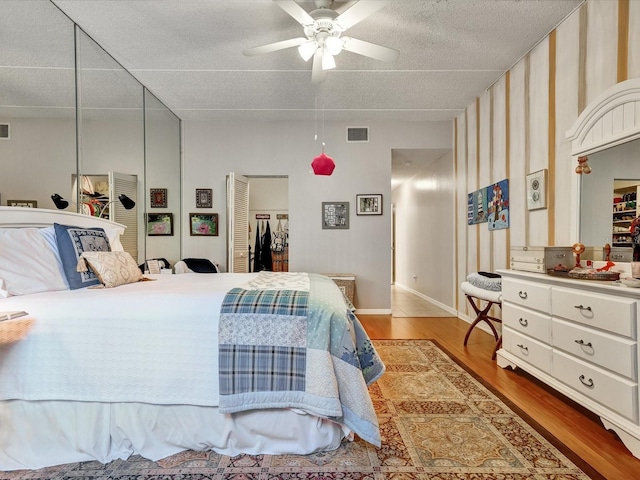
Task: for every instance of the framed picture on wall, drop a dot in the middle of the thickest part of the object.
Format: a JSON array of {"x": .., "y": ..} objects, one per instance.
[
  {"x": 203, "y": 224},
  {"x": 158, "y": 197},
  {"x": 204, "y": 197},
  {"x": 159, "y": 224},
  {"x": 335, "y": 215},
  {"x": 369, "y": 204},
  {"x": 537, "y": 190}
]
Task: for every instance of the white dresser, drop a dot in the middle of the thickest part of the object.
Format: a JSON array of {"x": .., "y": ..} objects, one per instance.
[{"x": 580, "y": 337}]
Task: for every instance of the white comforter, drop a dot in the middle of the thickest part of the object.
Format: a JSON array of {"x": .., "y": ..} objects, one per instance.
[{"x": 152, "y": 342}]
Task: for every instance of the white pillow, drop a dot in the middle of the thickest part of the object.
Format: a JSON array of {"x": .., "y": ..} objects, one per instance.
[{"x": 28, "y": 263}]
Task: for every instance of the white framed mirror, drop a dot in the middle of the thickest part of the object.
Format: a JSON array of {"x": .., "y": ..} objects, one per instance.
[{"x": 608, "y": 133}]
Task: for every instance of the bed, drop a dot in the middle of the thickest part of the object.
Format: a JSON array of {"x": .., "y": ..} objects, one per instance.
[{"x": 257, "y": 363}]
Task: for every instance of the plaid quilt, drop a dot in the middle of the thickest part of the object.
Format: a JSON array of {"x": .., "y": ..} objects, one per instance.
[{"x": 298, "y": 347}]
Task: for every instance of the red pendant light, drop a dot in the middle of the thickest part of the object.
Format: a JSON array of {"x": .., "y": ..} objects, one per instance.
[{"x": 323, "y": 164}]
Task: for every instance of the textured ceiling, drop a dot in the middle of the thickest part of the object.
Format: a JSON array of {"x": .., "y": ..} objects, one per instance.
[{"x": 189, "y": 54}]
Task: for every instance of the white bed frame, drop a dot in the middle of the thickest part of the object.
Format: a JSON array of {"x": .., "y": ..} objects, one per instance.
[{"x": 76, "y": 431}]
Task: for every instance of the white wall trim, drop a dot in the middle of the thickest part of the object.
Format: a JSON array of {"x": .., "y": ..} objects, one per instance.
[
  {"x": 373, "y": 311},
  {"x": 447, "y": 308}
]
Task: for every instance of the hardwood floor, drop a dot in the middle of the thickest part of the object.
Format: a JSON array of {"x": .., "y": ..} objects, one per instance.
[{"x": 577, "y": 428}]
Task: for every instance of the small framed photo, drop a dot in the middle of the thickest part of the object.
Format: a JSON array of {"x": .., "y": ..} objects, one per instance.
[
  {"x": 22, "y": 203},
  {"x": 369, "y": 204},
  {"x": 203, "y": 224},
  {"x": 537, "y": 190},
  {"x": 158, "y": 197},
  {"x": 335, "y": 215},
  {"x": 159, "y": 224},
  {"x": 203, "y": 197}
]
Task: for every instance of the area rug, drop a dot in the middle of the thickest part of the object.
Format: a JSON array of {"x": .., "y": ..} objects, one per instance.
[{"x": 437, "y": 420}]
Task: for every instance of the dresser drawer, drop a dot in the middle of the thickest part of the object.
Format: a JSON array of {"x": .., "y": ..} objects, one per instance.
[
  {"x": 613, "y": 392},
  {"x": 527, "y": 294},
  {"x": 529, "y": 322},
  {"x": 528, "y": 349},
  {"x": 617, "y": 354},
  {"x": 613, "y": 314}
]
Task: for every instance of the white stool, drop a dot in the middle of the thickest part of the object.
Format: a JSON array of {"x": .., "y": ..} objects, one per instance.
[{"x": 475, "y": 296}]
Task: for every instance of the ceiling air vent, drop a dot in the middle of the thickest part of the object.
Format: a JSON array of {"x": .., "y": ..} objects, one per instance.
[
  {"x": 4, "y": 131},
  {"x": 357, "y": 134}
]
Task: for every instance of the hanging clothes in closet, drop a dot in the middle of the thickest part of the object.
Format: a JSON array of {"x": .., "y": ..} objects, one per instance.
[
  {"x": 256, "y": 253},
  {"x": 265, "y": 250}
]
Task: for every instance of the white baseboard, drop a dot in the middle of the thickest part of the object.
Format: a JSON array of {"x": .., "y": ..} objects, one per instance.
[
  {"x": 373, "y": 311},
  {"x": 447, "y": 308}
]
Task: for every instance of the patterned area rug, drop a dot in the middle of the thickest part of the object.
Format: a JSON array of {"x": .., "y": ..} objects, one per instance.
[{"x": 438, "y": 422}]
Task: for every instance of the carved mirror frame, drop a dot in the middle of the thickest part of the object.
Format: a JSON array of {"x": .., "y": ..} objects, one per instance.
[{"x": 610, "y": 120}]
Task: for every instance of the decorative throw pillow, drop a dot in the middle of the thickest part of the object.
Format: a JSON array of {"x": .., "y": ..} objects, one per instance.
[
  {"x": 72, "y": 242},
  {"x": 112, "y": 268},
  {"x": 200, "y": 265}
]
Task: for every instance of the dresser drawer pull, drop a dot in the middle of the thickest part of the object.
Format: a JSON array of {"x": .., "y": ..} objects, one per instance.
[
  {"x": 588, "y": 383},
  {"x": 522, "y": 295},
  {"x": 522, "y": 347},
  {"x": 524, "y": 322},
  {"x": 581, "y": 342},
  {"x": 581, "y": 307}
]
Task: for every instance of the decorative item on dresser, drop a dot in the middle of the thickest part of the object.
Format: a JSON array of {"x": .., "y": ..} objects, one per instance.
[{"x": 580, "y": 338}]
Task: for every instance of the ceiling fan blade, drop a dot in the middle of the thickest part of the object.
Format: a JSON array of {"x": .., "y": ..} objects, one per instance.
[
  {"x": 359, "y": 12},
  {"x": 296, "y": 11},
  {"x": 317, "y": 73},
  {"x": 274, "y": 47},
  {"x": 371, "y": 50},
  {"x": 345, "y": 6}
]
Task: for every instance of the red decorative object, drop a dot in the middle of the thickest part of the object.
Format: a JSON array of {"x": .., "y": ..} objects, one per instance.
[{"x": 323, "y": 165}]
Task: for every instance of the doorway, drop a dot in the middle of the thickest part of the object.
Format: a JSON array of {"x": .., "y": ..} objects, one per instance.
[{"x": 260, "y": 225}]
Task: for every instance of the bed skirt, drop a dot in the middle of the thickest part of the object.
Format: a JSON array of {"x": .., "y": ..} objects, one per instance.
[{"x": 46, "y": 433}]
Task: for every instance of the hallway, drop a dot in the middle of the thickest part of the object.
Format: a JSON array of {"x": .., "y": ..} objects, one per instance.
[{"x": 407, "y": 304}]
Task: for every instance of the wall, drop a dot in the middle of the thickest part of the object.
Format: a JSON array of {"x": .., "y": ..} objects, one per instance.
[
  {"x": 518, "y": 126},
  {"x": 37, "y": 149},
  {"x": 424, "y": 247},
  {"x": 212, "y": 149}
]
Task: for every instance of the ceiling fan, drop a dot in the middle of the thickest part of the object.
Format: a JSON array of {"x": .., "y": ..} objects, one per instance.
[{"x": 323, "y": 29}]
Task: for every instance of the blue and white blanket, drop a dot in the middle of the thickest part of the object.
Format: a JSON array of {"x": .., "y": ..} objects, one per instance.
[{"x": 288, "y": 340}]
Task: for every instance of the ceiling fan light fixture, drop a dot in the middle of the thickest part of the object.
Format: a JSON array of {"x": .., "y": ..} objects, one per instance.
[
  {"x": 306, "y": 50},
  {"x": 328, "y": 62},
  {"x": 333, "y": 45}
]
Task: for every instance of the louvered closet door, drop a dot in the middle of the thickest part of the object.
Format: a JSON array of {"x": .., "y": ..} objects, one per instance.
[
  {"x": 238, "y": 223},
  {"x": 120, "y": 183}
]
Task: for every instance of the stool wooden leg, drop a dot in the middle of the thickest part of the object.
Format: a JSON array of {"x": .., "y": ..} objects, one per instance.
[{"x": 483, "y": 316}]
